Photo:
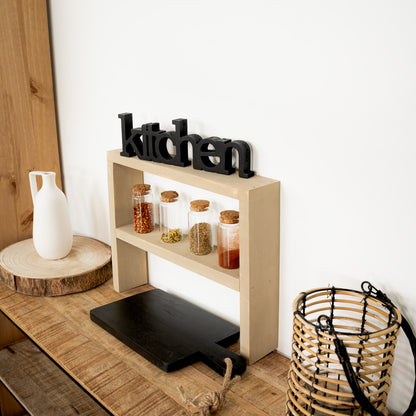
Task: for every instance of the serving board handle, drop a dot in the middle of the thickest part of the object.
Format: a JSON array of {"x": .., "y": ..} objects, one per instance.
[{"x": 214, "y": 355}]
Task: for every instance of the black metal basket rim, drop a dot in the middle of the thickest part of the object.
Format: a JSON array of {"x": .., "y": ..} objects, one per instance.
[{"x": 395, "y": 319}]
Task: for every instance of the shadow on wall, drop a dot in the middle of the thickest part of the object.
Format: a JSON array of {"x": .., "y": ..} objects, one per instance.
[{"x": 88, "y": 206}]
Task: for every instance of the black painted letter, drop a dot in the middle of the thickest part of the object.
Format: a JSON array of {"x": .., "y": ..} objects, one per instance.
[{"x": 132, "y": 145}]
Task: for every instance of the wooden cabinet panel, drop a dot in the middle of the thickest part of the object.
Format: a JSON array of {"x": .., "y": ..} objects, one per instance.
[{"x": 28, "y": 136}]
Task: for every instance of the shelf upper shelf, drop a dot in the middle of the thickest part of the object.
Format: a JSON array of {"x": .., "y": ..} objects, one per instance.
[
  {"x": 229, "y": 185},
  {"x": 179, "y": 254}
]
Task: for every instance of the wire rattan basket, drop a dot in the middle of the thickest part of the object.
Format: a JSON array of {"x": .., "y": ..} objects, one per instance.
[{"x": 342, "y": 352}]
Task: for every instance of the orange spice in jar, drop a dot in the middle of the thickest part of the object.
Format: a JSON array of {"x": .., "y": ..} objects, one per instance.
[
  {"x": 143, "y": 210},
  {"x": 229, "y": 240}
]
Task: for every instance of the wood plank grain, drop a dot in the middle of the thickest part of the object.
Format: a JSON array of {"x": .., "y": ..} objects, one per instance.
[
  {"x": 28, "y": 137},
  {"x": 40, "y": 386},
  {"x": 123, "y": 381}
]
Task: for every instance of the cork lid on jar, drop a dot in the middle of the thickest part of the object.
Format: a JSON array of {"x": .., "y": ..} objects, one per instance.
[
  {"x": 141, "y": 189},
  {"x": 229, "y": 217},
  {"x": 199, "y": 205},
  {"x": 169, "y": 196}
]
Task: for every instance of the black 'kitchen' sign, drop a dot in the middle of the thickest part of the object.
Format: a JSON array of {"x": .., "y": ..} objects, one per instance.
[{"x": 151, "y": 143}]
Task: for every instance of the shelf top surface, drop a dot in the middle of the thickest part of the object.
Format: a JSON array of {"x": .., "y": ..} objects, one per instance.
[{"x": 229, "y": 185}]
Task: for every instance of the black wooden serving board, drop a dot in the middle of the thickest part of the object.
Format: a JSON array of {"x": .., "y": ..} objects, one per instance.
[{"x": 170, "y": 332}]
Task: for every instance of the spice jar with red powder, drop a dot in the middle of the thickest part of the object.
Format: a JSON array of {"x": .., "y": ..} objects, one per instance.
[
  {"x": 229, "y": 240},
  {"x": 143, "y": 209}
]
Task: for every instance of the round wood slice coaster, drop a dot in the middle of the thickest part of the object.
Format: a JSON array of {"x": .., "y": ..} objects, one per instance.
[{"x": 86, "y": 266}]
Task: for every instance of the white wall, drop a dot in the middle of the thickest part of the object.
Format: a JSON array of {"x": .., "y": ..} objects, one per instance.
[{"x": 325, "y": 91}]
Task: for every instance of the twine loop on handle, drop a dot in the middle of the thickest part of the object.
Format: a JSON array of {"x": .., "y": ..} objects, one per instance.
[{"x": 210, "y": 402}]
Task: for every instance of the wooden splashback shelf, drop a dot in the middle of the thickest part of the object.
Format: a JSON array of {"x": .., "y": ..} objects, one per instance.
[{"x": 257, "y": 280}]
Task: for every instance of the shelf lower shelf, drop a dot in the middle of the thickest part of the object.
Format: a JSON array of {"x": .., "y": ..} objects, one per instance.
[{"x": 179, "y": 254}]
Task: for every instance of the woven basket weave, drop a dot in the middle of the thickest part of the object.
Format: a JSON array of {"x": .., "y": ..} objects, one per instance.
[{"x": 317, "y": 384}]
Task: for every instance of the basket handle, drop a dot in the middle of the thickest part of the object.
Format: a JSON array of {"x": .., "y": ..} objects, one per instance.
[{"x": 344, "y": 359}]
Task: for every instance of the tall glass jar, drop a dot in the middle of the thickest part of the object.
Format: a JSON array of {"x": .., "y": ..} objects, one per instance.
[
  {"x": 200, "y": 227},
  {"x": 143, "y": 209},
  {"x": 170, "y": 217},
  {"x": 229, "y": 240}
]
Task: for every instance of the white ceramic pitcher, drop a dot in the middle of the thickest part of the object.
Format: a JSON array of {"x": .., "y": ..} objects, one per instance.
[{"x": 52, "y": 231}]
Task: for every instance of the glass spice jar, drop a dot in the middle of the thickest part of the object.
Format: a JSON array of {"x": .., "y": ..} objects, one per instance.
[
  {"x": 200, "y": 227},
  {"x": 229, "y": 240},
  {"x": 143, "y": 210},
  {"x": 170, "y": 217}
]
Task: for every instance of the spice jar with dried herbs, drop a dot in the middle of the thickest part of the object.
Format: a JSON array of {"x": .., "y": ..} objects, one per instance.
[
  {"x": 170, "y": 213},
  {"x": 200, "y": 227},
  {"x": 229, "y": 240},
  {"x": 143, "y": 208}
]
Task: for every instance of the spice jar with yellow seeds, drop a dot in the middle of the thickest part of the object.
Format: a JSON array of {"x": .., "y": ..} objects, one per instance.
[
  {"x": 143, "y": 209},
  {"x": 170, "y": 217},
  {"x": 200, "y": 227}
]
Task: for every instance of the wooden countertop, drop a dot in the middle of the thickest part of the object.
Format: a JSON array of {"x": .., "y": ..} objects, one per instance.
[{"x": 120, "y": 379}]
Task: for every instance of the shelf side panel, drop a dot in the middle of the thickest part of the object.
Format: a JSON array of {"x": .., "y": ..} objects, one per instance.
[
  {"x": 259, "y": 277},
  {"x": 130, "y": 269},
  {"x": 123, "y": 178},
  {"x": 129, "y": 262}
]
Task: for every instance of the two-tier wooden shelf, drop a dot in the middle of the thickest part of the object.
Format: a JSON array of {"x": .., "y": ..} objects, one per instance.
[{"x": 257, "y": 279}]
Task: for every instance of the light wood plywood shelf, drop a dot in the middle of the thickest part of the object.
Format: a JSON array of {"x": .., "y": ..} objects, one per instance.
[
  {"x": 257, "y": 280},
  {"x": 179, "y": 254}
]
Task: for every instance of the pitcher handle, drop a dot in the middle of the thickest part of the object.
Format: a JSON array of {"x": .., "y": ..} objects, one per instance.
[{"x": 33, "y": 183}]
